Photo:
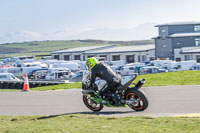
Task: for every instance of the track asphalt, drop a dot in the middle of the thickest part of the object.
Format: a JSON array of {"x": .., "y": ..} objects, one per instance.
[{"x": 163, "y": 101}]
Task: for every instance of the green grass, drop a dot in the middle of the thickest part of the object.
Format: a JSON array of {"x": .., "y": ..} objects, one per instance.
[
  {"x": 9, "y": 90},
  {"x": 50, "y": 45},
  {"x": 58, "y": 87},
  {"x": 44, "y": 47},
  {"x": 172, "y": 78},
  {"x": 80, "y": 123}
]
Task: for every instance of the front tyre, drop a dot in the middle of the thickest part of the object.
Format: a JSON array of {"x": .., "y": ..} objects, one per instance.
[
  {"x": 91, "y": 104},
  {"x": 140, "y": 102}
]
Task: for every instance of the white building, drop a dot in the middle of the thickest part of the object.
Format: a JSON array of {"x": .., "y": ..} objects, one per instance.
[
  {"x": 76, "y": 53},
  {"x": 187, "y": 53},
  {"x": 129, "y": 54}
]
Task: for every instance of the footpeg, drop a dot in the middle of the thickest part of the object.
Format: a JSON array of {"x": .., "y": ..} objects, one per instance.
[{"x": 129, "y": 102}]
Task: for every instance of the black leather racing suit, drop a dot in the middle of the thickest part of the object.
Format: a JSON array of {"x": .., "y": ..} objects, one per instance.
[{"x": 104, "y": 72}]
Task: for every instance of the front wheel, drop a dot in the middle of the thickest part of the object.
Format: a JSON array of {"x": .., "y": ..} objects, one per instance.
[
  {"x": 140, "y": 102},
  {"x": 91, "y": 104}
]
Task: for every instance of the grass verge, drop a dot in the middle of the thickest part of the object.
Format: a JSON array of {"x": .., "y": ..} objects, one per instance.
[
  {"x": 159, "y": 79},
  {"x": 172, "y": 78},
  {"x": 58, "y": 87},
  {"x": 80, "y": 123}
]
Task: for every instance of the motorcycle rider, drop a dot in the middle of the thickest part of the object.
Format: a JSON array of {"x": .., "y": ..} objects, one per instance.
[{"x": 103, "y": 71}]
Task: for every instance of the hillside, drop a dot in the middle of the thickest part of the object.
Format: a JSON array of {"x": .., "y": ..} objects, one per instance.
[{"x": 45, "y": 47}]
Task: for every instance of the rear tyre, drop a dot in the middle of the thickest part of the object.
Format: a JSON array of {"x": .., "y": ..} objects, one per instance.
[
  {"x": 139, "y": 98},
  {"x": 91, "y": 104}
]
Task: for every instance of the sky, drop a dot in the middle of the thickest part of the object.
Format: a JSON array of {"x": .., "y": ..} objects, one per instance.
[{"x": 37, "y": 20}]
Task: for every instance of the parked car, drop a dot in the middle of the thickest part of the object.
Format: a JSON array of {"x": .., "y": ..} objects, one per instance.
[
  {"x": 58, "y": 75},
  {"x": 1, "y": 63},
  {"x": 181, "y": 66},
  {"x": 128, "y": 69},
  {"x": 149, "y": 70},
  {"x": 6, "y": 60},
  {"x": 160, "y": 63},
  {"x": 38, "y": 74},
  {"x": 73, "y": 66},
  {"x": 125, "y": 70},
  {"x": 14, "y": 70},
  {"x": 8, "y": 77},
  {"x": 116, "y": 68},
  {"x": 77, "y": 76},
  {"x": 195, "y": 67}
]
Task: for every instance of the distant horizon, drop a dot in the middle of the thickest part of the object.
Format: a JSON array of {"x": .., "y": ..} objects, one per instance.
[{"x": 80, "y": 40}]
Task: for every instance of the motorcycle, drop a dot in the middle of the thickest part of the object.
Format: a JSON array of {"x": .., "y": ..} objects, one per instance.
[{"x": 122, "y": 95}]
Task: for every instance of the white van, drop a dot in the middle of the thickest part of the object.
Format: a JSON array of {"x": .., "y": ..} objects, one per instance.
[
  {"x": 58, "y": 75},
  {"x": 1, "y": 63},
  {"x": 8, "y": 77},
  {"x": 72, "y": 66},
  {"x": 181, "y": 66},
  {"x": 28, "y": 70},
  {"x": 125, "y": 70},
  {"x": 14, "y": 70}
]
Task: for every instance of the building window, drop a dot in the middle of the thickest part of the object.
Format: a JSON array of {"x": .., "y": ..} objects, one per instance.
[
  {"x": 130, "y": 58},
  {"x": 198, "y": 58},
  {"x": 163, "y": 30},
  {"x": 179, "y": 43},
  {"x": 197, "y": 28},
  {"x": 164, "y": 46},
  {"x": 197, "y": 42},
  {"x": 144, "y": 58},
  {"x": 152, "y": 58},
  {"x": 90, "y": 56},
  {"x": 187, "y": 57},
  {"x": 66, "y": 57},
  {"x": 116, "y": 57},
  {"x": 56, "y": 57},
  {"x": 77, "y": 57},
  {"x": 178, "y": 59},
  {"x": 104, "y": 57},
  {"x": 138, "y": 58}
]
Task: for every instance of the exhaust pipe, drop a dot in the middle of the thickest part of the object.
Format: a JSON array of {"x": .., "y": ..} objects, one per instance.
[
  {"x": 140, "y": 83},
  {"x": 87, "y": 92}
]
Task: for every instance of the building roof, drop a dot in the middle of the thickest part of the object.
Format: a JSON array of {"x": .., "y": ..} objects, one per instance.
[
  {"x": 185, "y": 34},
  {"x": 178, "y": 23},
  {"x": 121, "y": 49},
  {"x": 82, "y": 49},
  {"x": 188, "y": 50}
]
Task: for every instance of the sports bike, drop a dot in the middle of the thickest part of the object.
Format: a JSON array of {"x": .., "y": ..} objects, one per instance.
[{"x": 125, "y": 94}]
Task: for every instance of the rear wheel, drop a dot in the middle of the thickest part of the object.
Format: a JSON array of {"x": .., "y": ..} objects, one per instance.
[
  {"x": 140, "y": 102},
  {"x": 91, "y": 104}
]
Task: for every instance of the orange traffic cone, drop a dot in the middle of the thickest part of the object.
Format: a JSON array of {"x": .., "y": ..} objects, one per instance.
[{"x": 26, "y": 84}]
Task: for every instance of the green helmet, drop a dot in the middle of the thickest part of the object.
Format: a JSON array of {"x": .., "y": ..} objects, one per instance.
[{"x": 91, "y": 62}]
